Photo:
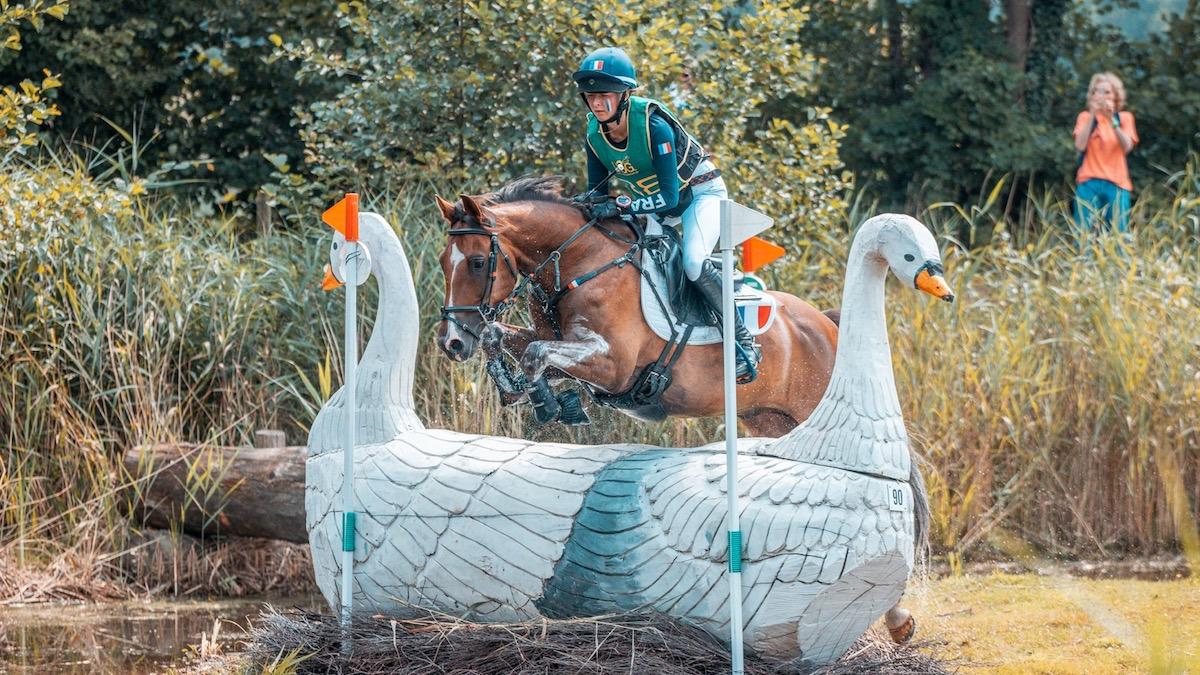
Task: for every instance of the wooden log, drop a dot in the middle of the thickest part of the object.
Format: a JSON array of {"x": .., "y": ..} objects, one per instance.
[{"x": 220, "y": 491}]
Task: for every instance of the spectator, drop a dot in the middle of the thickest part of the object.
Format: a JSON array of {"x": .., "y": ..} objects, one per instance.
[{"x": 1103, "y": 136}]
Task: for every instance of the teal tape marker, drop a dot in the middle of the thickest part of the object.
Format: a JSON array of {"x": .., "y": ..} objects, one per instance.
[
  {"x": 735, "y": 551},
  {"x": 348, "y": 531}
]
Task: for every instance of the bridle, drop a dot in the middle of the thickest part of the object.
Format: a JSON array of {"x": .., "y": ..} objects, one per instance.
[
  {"x": 487, "y": 311},
  {"x": 547, "y": 298}
]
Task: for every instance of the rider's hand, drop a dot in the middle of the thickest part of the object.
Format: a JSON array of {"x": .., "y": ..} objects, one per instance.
[{"x": 606, "y": 209}]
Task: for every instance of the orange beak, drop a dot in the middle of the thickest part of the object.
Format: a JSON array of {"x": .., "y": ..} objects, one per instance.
[
  {"x": 330, "y": 282},
  {"x": 934, "y": 285}
]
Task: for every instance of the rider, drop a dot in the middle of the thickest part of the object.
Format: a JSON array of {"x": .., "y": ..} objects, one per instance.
[{"x": 640, "y": 142}]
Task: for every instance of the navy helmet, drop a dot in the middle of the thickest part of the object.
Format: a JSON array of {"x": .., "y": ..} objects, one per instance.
[{"x": 608, "y": 69}]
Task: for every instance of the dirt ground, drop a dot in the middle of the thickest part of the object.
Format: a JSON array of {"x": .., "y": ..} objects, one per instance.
[{"x": 1006, "y": 623}]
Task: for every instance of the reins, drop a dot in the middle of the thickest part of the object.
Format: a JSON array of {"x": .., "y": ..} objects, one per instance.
[{"x": 548, "y": 299}]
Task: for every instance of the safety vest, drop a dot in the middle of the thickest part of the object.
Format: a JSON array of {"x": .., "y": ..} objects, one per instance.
[{"x": 634, "y": 164}]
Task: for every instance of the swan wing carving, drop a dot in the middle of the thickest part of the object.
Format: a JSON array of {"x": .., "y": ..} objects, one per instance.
[
  {"x": 472, "y": 525},
  {"x": 652, "y": 535},
  {"x": 858, "y": 422}
]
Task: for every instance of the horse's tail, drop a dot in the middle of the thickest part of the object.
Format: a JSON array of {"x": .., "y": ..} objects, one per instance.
[
  {"x": 835, "y": 315},
  {"x": 920, "y": 509}
]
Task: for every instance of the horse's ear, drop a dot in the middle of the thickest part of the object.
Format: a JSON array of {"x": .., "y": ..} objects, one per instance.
[
  {"x": 446, "y": 207},
  {"x": 474, "y": 209}
]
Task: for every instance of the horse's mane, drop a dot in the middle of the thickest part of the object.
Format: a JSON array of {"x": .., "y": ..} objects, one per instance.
[
  {"x": 526, "y": 188},
  {"x": 532, "y": 188}
]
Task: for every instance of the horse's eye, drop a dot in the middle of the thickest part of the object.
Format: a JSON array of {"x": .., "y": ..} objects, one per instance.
[{"x": 477, "y": 263}]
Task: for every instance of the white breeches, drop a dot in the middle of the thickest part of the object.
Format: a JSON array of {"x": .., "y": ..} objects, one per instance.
[{"x": 701, "y": 222}]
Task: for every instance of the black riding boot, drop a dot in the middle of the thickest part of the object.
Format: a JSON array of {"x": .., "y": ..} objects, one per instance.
[
  {"x": 748, "y": 352},
  {"x": 545, "y": 405}
]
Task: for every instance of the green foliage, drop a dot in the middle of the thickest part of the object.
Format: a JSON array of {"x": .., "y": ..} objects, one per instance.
[
  {"x": 27, "y": 107},
  {"x": 193, "y": 75},
  {"x": 936, "y": 101},
  {"x": 468, "y": 93}
]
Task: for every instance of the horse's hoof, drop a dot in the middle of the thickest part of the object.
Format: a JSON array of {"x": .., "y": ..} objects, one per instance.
[
  {"x": 572, "y": 413},
  {"x": 904, "y": 632}
]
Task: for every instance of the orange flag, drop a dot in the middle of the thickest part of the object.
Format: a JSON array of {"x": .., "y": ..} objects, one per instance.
[
  {"x": 758, "y": 252},
  {"x": 343, "y": 216}
]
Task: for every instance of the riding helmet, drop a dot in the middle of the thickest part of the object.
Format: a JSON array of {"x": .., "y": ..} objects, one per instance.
[{"x": 606, "y": 69}]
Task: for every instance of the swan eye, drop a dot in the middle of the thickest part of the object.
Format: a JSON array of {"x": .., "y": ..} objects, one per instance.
[{"x": 909, "y": 257}]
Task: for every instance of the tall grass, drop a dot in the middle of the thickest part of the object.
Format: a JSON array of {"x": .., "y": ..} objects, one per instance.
[
  {"x": 1055, "y": 401},
  {"x": 125, "y": 320}
]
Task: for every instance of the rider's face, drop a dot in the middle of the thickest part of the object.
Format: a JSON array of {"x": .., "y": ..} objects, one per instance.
[{"x": 602, "y": 103}]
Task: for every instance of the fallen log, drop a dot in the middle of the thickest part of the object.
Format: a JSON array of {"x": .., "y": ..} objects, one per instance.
[{"x": 220, "y": 491}]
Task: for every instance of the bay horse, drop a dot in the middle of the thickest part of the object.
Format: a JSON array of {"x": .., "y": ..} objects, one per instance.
[{"x": 595, "y": 332}]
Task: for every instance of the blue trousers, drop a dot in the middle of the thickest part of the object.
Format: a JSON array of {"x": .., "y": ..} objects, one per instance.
[{"x": 1097, "y": 197}]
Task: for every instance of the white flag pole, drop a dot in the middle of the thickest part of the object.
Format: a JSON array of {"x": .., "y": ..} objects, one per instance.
[
  {"x": 734, "y": 525},
  {"x": 349, "y": 426},
  {"x": 355, "y": 269}
]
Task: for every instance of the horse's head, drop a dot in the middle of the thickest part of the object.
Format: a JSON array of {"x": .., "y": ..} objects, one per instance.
[{"x": 479, "y": 273}]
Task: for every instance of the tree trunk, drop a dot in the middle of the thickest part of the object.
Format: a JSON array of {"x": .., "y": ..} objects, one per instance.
[
  {"x": 895, "y": 45},
  {"x": 251, "y": 492},
  {"x": 1017, "y": 25}
]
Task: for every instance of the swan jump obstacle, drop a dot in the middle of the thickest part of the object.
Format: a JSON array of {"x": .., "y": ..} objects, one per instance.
[{"x": 401, "y": 517}]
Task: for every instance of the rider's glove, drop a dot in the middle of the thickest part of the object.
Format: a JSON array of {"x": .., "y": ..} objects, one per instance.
[
  {"x": 608, "y": 208},
  {"x": 612, "y": 208}
]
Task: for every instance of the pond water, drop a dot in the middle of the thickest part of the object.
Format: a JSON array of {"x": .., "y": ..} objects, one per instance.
[{"x": 127, "y": 637}]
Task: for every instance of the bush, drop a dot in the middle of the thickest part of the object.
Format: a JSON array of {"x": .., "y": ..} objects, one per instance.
[{"x": 480, "y": 98}]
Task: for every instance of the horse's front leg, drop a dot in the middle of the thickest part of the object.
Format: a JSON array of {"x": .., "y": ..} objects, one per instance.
[
  {"x": 584, "y": 355},
  {"x": 496, "y": 339}
]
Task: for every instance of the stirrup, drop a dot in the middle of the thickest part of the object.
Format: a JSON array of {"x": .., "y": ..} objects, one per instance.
[{"x": 747, "y": 365}]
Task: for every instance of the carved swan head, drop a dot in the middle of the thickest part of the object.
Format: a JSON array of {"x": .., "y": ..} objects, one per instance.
[
  {"x": 384, "y": 402},
  {"x": 858, "y": 424}
]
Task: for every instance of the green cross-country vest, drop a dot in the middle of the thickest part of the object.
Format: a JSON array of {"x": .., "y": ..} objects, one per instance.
[{"x": 634, "y": 164}]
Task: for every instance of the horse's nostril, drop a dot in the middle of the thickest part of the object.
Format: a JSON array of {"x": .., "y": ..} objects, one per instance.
[{"x": 455, "y": 345}]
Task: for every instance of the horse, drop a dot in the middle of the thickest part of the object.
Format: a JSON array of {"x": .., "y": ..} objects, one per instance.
[{"x": 527, "y": 234}]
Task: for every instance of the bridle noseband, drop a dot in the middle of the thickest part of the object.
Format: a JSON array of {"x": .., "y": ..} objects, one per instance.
[{"x": 487, "y": 311}]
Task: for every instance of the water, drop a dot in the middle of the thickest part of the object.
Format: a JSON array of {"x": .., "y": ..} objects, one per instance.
[{"x": 128, "y": 637}]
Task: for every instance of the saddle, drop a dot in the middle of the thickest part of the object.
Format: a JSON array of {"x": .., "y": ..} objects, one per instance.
[
  {"x": 670, "y": 303},
  {"x": 676, "y": 312}
]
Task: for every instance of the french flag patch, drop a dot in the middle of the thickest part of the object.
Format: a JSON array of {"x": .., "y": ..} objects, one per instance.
[
  {"x": 663, "y": 148},
  {"x": 598, "y": 64},
  {"x": 757, "y": 312}
]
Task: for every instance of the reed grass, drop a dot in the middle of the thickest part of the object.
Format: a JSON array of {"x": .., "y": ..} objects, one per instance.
[{"x": 1055, "y": 401}]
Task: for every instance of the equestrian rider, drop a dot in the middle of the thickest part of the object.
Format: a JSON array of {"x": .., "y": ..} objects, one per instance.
[{"x": 668, "y": 174}]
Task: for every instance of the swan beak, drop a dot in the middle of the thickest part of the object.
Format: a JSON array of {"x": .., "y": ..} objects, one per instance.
[
  {"x": 330, "y": 282},
  {"x": 935, "y": 285}
]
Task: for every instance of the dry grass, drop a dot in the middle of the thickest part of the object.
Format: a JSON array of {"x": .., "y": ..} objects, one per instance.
[
  {"x": 1007, "y": 623},
  {"x": 306, "y": 642},
  {"x": 180, "y": 565}
]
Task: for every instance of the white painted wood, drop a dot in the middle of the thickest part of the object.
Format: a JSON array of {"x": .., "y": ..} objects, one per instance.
[{"x": 499, "y": 529}]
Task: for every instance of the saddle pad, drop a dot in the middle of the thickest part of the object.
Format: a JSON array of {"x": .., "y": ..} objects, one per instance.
[{"x": 758, "y": 310}]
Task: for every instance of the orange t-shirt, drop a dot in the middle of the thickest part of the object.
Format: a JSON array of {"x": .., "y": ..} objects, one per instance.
[{"x": 1104, "y": 158}]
